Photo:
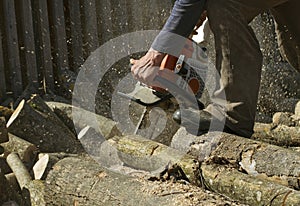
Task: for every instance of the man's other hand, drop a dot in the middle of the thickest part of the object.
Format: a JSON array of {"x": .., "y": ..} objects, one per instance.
[{"x": 146, "y": 68}]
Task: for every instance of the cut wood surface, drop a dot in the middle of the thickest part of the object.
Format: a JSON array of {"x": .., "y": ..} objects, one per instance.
[{"x": 43, "y": 129}]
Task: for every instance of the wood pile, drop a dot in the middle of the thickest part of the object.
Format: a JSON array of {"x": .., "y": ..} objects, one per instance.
[{"x": 47, "y": 159}]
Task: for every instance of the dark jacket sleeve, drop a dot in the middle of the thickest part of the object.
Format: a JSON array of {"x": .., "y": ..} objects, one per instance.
[{"x": 180, "y": 24}]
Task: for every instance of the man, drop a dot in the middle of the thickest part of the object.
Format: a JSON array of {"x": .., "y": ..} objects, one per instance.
[{"x": 238, "y": 55}]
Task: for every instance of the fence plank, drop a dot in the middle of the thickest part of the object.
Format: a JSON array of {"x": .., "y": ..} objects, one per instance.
[
  {"x": 12, "y": 47},
  {"x": 90, "y": 26},
  {"x": 104, "y": 12},
  {"x": 2, "y": 73},
  {"x": 42, "y": 30},
  {"x": 26, "y": 25},
  {"x": 58, "y": 27},
  {"x": 76, "y": 34}
]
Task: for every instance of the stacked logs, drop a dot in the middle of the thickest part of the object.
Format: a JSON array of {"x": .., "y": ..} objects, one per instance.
[{"x": 47, "y": 159}]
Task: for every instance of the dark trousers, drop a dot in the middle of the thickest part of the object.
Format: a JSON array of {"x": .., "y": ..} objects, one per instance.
[{"x": 238, "y": 55}]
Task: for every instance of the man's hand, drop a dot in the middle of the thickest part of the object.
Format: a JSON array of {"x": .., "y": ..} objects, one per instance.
[{"x": 146, "y": 68}]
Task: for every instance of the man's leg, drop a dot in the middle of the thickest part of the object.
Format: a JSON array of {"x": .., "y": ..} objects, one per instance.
[
  {"x": 287, "y": 20},
  {"x": 239, "y": 62}
]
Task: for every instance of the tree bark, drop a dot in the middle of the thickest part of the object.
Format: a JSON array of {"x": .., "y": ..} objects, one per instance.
[
  {"x": 246, "y": 188},
  {"x": 89, "y": 184},
  {"x": 274, "y": 163},
  {"x": 280, "y": 135},
  {"x": 20, "y": 171}
]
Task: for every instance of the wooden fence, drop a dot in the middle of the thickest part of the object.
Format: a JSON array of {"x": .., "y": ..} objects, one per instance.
[{"x": 39, "y": 38}]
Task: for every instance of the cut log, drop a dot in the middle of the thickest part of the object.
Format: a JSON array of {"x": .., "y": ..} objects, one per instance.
[
  {"x": 89, "y": 184},
  {"x": 81, "y": 181},
  {"x": 144, "y": 154},
  {"x": 275, "y": 163},
  {"x": 3, "y": 130},
  {"x": 20, "y": 171},
  {"x": 280, "y": 135},
  {"x": 48, "y": 133},
  {"x": 107, "y": 127},
  {"x": 246, "y": 188},
  {"x": 26, "y": 150},
  {"x": 48, "y": 160}
]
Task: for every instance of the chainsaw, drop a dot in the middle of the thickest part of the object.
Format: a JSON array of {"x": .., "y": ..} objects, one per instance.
[{"x": 186, "y": 86}]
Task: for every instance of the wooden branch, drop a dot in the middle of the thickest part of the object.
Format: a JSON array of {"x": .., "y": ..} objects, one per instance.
[
  {"x": 26, "y": 150},
  {"x": 18, "y": 168},
  {"x": 144, "y": 154},
  {"x": 43, "y": 129}
]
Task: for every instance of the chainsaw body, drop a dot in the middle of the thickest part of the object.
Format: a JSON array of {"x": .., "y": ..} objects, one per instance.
[
  {"x": 186, "y": 85},
  {"x": 190, "y": 69}
]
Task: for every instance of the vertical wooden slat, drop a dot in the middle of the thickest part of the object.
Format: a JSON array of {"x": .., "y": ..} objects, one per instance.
[
  {"x": 12, "y": 47},
  {"x": 76, "y": 33},
  {"x": 26, "y": 25},
  {"x": 90, "y": 25},
  {"x": 104, "y": 11},
  {"x": 59, "y": 34},
  {"x": 2, "y": 73},
  {"x": 42, "y": 31}
]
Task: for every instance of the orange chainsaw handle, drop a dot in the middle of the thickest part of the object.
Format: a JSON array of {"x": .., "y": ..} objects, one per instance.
[{"x": 169, "y": 62}]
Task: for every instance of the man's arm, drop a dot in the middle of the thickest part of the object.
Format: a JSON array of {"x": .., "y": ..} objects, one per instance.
[
  {"x": 171, "y": 39},
  {"x": 184, "y": 17}
]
